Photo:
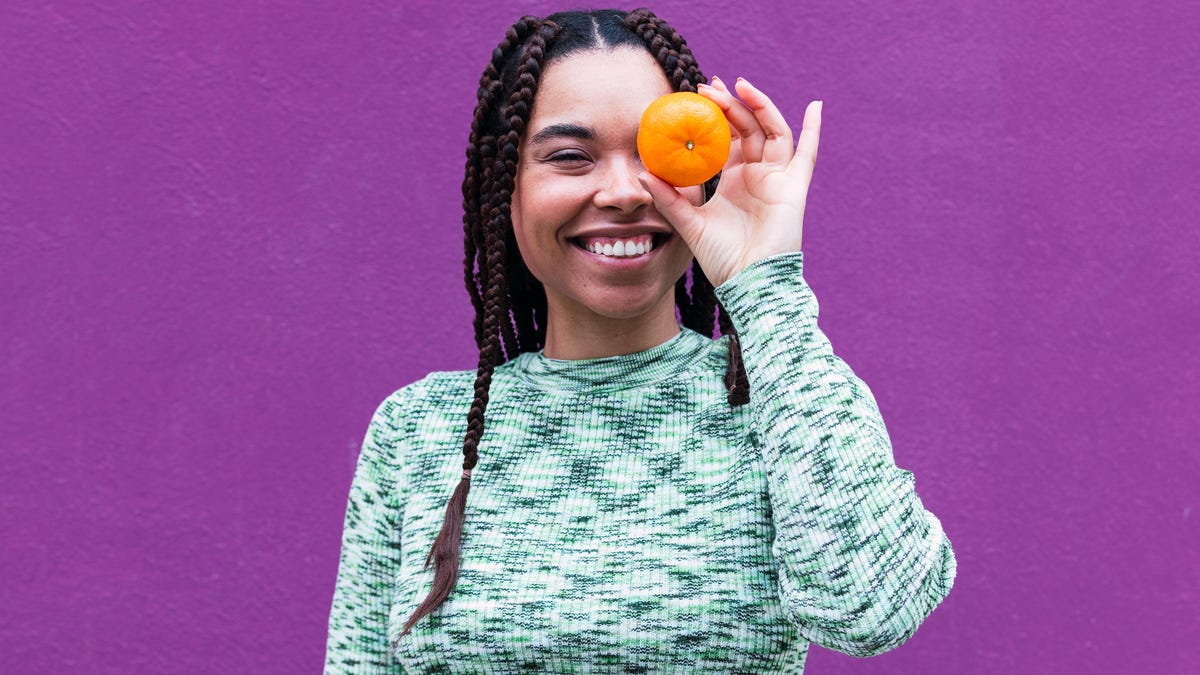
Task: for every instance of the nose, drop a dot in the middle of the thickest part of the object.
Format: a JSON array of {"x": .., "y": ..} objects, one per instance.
[{"x": 620, "y": 188}]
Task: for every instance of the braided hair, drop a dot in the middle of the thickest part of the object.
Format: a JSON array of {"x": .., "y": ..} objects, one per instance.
[{"x": 509, "y": 302}]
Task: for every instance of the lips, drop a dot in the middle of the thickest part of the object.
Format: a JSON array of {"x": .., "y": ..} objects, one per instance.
[
  {"x": 608, "y": 255},
  {"x": 650, "y": 239}
]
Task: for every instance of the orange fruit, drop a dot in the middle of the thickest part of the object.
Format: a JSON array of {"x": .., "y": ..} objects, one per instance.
[{"x": 683, "y": 138}]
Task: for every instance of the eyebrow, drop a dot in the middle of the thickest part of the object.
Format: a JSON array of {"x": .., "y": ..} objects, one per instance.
[{"x": 558, "y": 130}]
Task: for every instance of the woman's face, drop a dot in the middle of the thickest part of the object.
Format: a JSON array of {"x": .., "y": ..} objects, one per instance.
[{"x": 577, "y": 186}]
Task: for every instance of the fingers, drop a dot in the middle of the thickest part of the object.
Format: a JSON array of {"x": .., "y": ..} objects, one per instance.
[
  {"x": 713, "y": 91},
  {"x": 802, "y": 164},
  {"x": 761, "y": 132},
  {"x": 777, "y": 136},
  {"x": 747, "y": 132},
  {"x": 675, "y": 207}
]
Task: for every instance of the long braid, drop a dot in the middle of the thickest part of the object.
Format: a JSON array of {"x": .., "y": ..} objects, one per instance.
[
  {"x": 541, "y": 313},
  {"x": 481, "y": 151},
  {"x": 704, "y": 303},
  {"x": 507, "y": 328},
  {"x": 683, "y": 300},
  {"x": 735, "y": 372},
  {"x": 522, "y": 287},
  {"x": 679, "y": 65},
  {"x": 516, "y": 113},
  {"x": 497, "y": 182}
]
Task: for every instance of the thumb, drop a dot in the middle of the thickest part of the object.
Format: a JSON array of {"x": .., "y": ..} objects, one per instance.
[{"x": 679, "y": 212}]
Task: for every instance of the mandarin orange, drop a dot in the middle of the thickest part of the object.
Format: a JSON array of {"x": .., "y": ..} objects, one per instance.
[{"x": 683, "y": 138}]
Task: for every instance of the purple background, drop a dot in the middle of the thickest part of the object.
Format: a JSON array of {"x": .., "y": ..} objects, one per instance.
[{"x": 229, "y": 230}]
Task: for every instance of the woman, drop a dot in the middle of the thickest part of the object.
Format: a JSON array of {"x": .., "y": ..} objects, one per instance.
[{"x": 642, "y": 497}]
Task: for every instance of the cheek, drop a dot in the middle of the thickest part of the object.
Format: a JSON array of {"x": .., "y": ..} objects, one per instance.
[
  {"x": 514, "y": 212},
  {"x": 521, "y": 237},
  {"x": 540, "y": 213},
  {"x": 527, "y": 235}
]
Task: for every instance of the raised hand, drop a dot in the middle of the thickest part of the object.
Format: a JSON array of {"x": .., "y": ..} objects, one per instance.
[{"x": 758, "y": 210}]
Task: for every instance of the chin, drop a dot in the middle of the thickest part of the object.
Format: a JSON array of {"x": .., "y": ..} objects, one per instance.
[
  {"x": 617, "y": 311},
  {"x": 629, "y": 305}
]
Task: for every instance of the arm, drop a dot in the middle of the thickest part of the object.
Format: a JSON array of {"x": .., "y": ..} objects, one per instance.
[
  {"x": 358, "y": 636},
  {"x": 862, "y": 563}
]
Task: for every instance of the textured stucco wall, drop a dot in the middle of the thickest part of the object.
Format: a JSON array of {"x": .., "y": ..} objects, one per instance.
[{"x": 229, "y": 229}]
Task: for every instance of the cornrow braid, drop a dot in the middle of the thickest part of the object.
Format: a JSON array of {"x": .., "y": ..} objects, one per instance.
[
  {"x": 679, "y": 65},
  {"x": 668, "y": 48}
]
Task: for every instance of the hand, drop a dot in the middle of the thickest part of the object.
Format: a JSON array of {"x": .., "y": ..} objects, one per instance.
[{"x": 758, "y": 210}]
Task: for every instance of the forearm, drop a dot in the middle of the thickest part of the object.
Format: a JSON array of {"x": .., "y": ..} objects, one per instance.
[
  {"x": 862, "y": 562},
  {"x": 358, "y": 637}
]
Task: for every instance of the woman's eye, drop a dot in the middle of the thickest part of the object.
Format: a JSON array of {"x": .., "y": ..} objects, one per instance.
[{"x": 568, "y": 157}]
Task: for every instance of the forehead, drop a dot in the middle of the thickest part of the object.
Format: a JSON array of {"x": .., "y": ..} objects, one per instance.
[{"x": 597, "y": 85}]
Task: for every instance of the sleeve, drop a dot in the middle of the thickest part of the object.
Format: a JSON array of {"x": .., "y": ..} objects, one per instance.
[
  {"x": 358, "y": 621},
  {"x": 861, "y": 561}
]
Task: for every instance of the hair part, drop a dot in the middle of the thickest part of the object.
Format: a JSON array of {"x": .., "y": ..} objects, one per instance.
[{"x": 510, "y": 303}]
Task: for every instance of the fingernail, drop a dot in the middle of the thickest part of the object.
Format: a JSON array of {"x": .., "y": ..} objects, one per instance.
[
  {"x": 716, "y": 80},
  {"x": 702, "y": 87}
]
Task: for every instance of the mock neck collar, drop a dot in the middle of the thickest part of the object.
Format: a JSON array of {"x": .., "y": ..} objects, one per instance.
[{"x": 612, "y": 373}]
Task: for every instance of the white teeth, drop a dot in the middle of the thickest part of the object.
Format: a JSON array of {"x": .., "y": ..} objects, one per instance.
[{"x": 622, "y": 248}]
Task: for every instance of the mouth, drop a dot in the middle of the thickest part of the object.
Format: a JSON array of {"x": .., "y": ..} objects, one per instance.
[{"x": 657, "y": 240}]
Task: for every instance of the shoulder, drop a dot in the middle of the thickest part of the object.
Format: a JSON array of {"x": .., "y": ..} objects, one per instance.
[{"x": 439, "y": 392}]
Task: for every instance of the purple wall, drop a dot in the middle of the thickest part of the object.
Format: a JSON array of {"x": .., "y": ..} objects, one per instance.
[{"x": 228, "y": 232}]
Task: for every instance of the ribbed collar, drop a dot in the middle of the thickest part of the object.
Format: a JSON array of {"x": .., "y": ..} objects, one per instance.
[{"x": 611, "y": 373}]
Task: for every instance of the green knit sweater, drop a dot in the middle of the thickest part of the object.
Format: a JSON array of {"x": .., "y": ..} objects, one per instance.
[{"x": 624, "y": 518}]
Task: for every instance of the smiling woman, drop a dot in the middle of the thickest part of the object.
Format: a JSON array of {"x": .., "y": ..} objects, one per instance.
[
  {"x": 577, "y": 187},
  {"x": 643, "y": 497}
]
